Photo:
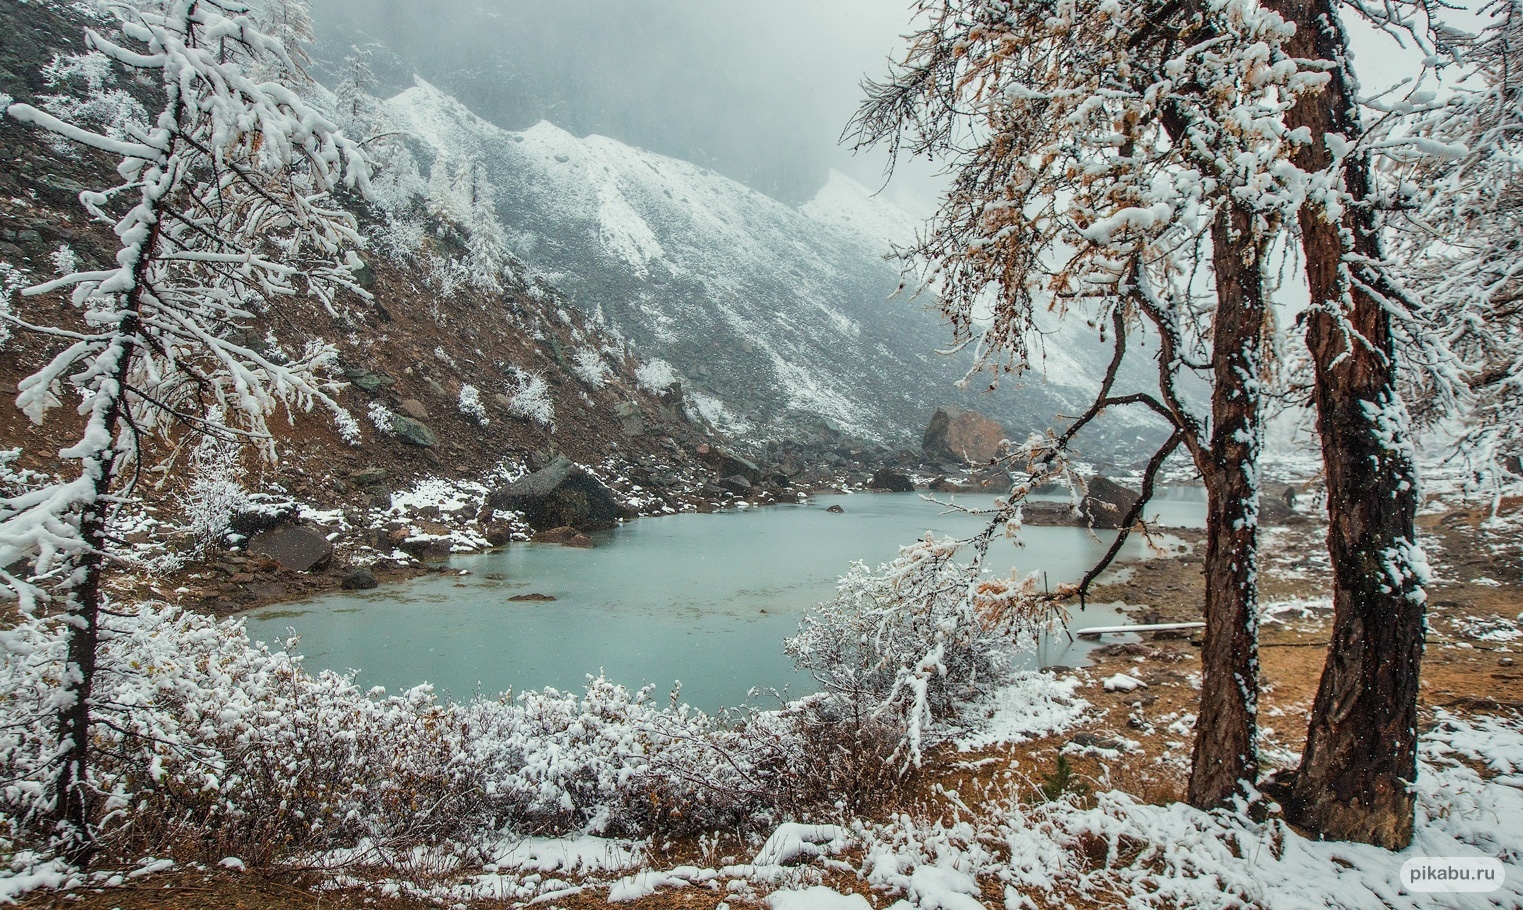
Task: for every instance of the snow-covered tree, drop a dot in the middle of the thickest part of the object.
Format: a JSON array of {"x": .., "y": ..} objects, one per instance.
[
  {"x": 215, "y": 493},
  {"x": 916, "y": 636},
  {"x": 87, "y": 94},
  {"x": 1459, "y": 242},
  {"x": 470, "y": 405},
  {"x": 1355, "y": 777},
  {"x": 1128, "y": 164},
  {"x": 462, "y": 195},
  {"x": 290, "y": 23},
  {"x": 359, "y": 111},
  {"x": 222, "y": 212}
]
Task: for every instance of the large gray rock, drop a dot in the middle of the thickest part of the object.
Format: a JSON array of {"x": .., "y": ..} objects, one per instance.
[
  {"x": 561, "y": 494},
  {"x": 1107, "y": 503},
  {"x": 727, "y": 464},
  {"x": 413, "y": 432},
  {"x": 960, "y": 435},
  {"x": 295, "y": 548},
  {"x": 891, "y": 481}
]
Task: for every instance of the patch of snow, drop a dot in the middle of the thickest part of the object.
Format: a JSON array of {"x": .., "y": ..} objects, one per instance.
[
  {"x": 1123, "y": 683},
  {"x": 1031, "y": 705},
  {"x": 792, "y": 842},
  {"x": 818, "y": 897}
]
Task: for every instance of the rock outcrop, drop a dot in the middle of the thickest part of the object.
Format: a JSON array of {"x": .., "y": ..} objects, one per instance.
[
  {"x": 960, "y": 435},
  {"x": 562, "y": 494}
]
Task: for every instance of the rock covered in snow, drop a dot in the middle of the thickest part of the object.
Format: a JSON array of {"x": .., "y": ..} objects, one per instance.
[{"x": 1123, "y": 683}]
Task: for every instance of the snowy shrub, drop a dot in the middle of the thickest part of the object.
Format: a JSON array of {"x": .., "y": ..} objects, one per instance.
[
  {"x": 222, "y": 747},
  {"x": 529, "y": 398},
  {"x": 915, "y": 636},
  {"x": 92, "y": 99},
  {"x": 64, "y": 260},
  {"x": 12, "y": 280},
  {"x": 471, "y": 406},
  {"x": 656, "y": 376},
  {"x": 348, "y": 428},
  {"x": 215, "y": 493},
  {"x": 382, "y": 417},
  {"x": 589, "y": 367}
]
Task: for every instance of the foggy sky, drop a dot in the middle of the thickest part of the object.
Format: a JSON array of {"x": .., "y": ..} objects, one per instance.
[{"x": 759, "y": 92}]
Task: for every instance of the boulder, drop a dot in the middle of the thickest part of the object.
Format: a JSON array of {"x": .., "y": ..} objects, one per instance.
[
  {"x": 835, "y": 510},
  {"x": 566, "y": 537},
  {"x": 294, "y": 548},
  {"x": 958, "y": 435},
  {"x": 413, "y": 432},
  {"x": 369, "y": 477},
  {"x": 561, "y": 494},
  {"x": 1276, "y": 511},
  {"x": 262, "y": 515},
  {"x": 414, "y": 408},
  {"x": 359, "y": 579},
  {"x": 736, "y": 484},
  {"x": 727, "y": 464},
  {"x": 891, "y": 481},
  {"x": 1107, "y": 503}
]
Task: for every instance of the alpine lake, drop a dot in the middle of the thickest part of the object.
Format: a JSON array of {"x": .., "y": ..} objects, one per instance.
[{"x": 704, "y": 600}]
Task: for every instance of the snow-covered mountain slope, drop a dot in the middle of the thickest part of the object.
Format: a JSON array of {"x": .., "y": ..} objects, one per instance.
[{"x": 771, "y": 314}]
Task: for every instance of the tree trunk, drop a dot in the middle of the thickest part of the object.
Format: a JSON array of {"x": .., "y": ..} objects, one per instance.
[
  {"x": 1356, "y": 774},
  {"x": 1226, "y": 731},
  {"x": 73, "y": 802}
]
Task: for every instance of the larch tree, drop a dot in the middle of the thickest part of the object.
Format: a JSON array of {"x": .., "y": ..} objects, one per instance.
[
  {"x": 1355, "y": 779},
  {"x": 1126, "y": 163},
  {"x": 222, "y": 212},
  {"x": 1458, "y": 244}
]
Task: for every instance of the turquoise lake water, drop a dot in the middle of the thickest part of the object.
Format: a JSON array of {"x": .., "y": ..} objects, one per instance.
[{"x": 704, "y": 599}]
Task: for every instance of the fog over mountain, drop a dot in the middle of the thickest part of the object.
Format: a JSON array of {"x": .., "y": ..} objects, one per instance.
[{"x": 758, "y": 92}]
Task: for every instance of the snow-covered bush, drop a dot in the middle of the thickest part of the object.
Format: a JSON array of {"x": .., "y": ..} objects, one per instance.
[
  {"x": 656, "y": 376},
  {"x": 12, "y": 280},
  {"x": 64, "y": 259},
  {"x": 215, "y": 493},
  {"x": 470, "y": 405},
  {"x": 88, "y": 96},
  {"x": 218, "y": 746},
  {"x": 529, "y": 398},
  {"x": 589, "y": 367},
  {"x": 914, "y": 637},
  {"x": 382, "y": 417}
]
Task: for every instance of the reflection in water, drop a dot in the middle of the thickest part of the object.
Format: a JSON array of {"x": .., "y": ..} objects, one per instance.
[{"x": 705, "y": 599}]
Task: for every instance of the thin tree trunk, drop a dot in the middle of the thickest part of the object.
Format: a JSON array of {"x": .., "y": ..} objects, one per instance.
[
  {"x": 73, "y": 794},
  {"x": 1356, "y": 774},
  {"x": 1226, "y": 732},
  {"x": 73, "y": 802}
]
